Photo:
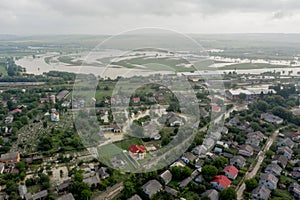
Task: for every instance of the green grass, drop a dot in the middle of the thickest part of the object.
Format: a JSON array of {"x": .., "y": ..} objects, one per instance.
[
  {"x": 160, "y": 64},
  {"x": 252, "y": 66},
  {"x": 124, "y": 144},
  {"x": 3, "y": 70},
  {"x": 69, "y": 60}
]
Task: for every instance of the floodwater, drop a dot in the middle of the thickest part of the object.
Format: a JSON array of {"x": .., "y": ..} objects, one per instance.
[{"x": 39, "y": 66}]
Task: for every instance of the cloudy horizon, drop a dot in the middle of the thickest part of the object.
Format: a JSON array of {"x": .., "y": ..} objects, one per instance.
[{"x": 33, "y": 17}]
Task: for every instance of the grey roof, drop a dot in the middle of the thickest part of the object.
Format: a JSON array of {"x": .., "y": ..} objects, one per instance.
[
  {"x": 238, "y": 159},
  {"x": 274, "y": 169},
  {"x": 280, "y": 159},
  {"x": 40, "y": 194},
  {"x": 151, "y": 187},
  {"x": 286, "y": 142},
  {"x": 269, "y": 177},
  {"x": 63, "y": 185},
  {"x": 166, "y": 176},
  {"x": 261, "y": 191},
  {"x": 190, "y": 156},
  {"x": 256, "y": 134},
  {"x": 62, "y": 94},
  {"x": 284, "y": 149},
  {"x": 9, "y": 156},
  {"x": 171, "y": 191},
  {"x": 68, "y": 196},
  {"x": 212, "y": 194},
  {"x": 92, "y": 180},
  {"x": 135, "y": 197}
]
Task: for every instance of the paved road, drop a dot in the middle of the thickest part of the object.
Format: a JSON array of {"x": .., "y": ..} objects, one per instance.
[{"x": 260, "y": 158}]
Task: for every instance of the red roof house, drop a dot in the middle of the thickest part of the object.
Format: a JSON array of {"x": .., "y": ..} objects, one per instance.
[
  {"x": 137, "y": 151},
  {"x": 231, "y": 172},
  {"x": 136, "y": 99},
  {"x": 220, "y": 182},
  {"x": 215, "y": 108},
  {"x": 16, "y": 111}
]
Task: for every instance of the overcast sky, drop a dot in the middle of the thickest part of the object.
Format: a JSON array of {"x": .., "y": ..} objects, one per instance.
[{"x": 33, "y": 17}]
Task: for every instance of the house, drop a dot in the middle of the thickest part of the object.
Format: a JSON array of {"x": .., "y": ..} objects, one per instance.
[
  {"x": 294, "y": 189},
  {"x": 68, "y": 196},
  {"x": 9, "y": 119},
  {"x": 22, "y": 191},
  {"x": 199, "y": 163},
  {"x": 231, "y": 172},
  {"x": 54, "y": 115},
  {"x": 2, "y": 167},
  {"x": 223, "y": 144},
  {"x": 44, "y": 99},
  {"x": 15, "y": 111},
  {"x": 218, "y": 150},
  {"x": 253, "y": 141},
  {"x": 268, "y": 180},
  {"x": 62, "y": 95},
  {"x": 103, "y": 172},
  {"x": 136, "y": 99},
  {"x": 296, "y": 173},
  {"x": 188, "y": 157},
  {"x": 271, "y": 118},
  {"x": 246, "y": 150},
  {"x": 261, "y": 192},
  {"x": 10, "y": 158},
  {"x": 178, "y": 163},
  {"x": 280, "y": 160},
  {"x": 238, "y": 161},
  {"x": 212, "y": 194},
  {"x": 135, "y": 197},
  {"x": 199, "y": 179},
  {"x": 151, "y": 188},
  {"x": 63, "y": 186},
  {"x": 174, "y": 120},
  {"x": 166, "y": 176},
  {"x": 286, "y": 142},
  {"x": 220, "y": 182},
  {"x": 171, "y": 191},
  {"x": 273, "y": 169},
  {"x": 215, "y": 136},
  {"x": 200, "y": 150},
  {"x": 208, "y": 143},
  {"x": 285, "y": 151},
  {"x": 93, "y": 180},
  {"x": 215, "y": 108},
  {"x": 203, "y": 112},
  {"x": 187, "y": 180},
  {"x": 234, "y": 94},
  {"x": 151, "y": 130},
  {"x": 137, "y": 151},
  {"x": 37, "y": 196},
  {"x": 258, "y": 134},
  {"x": 223, "y": 130}
]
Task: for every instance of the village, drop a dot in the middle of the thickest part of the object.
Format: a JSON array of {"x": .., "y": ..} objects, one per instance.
[{"x": 245, "y": 144}]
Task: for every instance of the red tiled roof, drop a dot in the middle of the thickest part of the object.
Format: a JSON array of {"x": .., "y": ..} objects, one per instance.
[
  {"x": 16, "y": 111},
  {"x": 136, "y": 99},
  {"x": 222, "y": 180},
  {"x": 299, "y": 128},
  {"x": 232, "y": 170},
  {"x": 216, "y": 108},
  {"x": 137, "y": 148}
]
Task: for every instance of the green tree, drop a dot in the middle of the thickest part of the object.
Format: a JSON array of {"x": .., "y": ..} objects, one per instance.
[
  {"x": 209, "y": 171},
  {"x": 228, "y": 193},
  {"x": 251, "y": 184},
  {"x": 220, "y": 162}
]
